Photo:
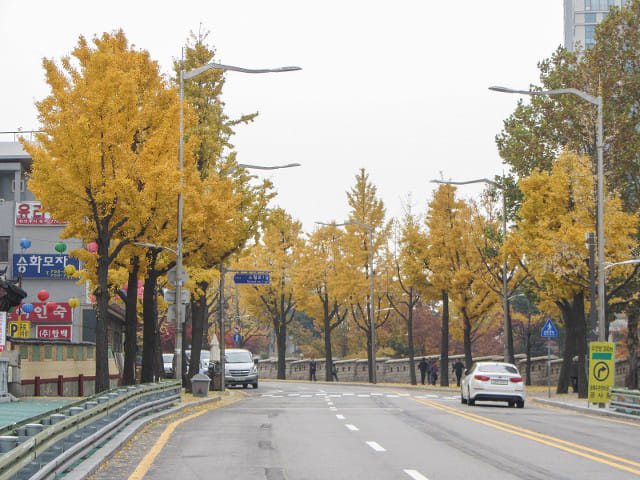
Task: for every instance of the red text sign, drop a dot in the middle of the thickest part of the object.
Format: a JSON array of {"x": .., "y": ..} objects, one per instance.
[{"x": 41, "y": 314}]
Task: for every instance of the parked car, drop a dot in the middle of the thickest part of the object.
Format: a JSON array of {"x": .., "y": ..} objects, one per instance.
[
  {"x": 493, "y": 382},
  {"x": 239, "y": 368},
  {"x": 167, "y": 360}
]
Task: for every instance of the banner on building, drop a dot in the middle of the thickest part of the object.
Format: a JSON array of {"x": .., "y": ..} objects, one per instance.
[
  {"x": 31, "y": 213},
  {"x": 54, "y": 332},
  {"x": 41, "y": 265},
  {"x": 3, "y": 330},
  {"x": 62, "y": 313}
]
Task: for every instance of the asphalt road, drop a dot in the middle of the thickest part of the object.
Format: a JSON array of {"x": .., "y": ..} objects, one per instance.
[{"x": 298, "y": 430}]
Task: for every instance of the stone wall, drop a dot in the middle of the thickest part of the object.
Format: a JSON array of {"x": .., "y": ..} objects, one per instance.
[{"x": 397, "y": 370}]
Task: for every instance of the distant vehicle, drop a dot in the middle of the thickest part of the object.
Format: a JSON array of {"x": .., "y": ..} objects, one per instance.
[
  {"x": 205, "y": 357},
  {"x": 239, "y": 368},
  {"x": 492, "y": 381},
  {"x": 167, "y": 360}
]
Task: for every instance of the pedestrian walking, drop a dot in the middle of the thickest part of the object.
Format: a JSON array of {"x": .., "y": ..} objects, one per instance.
[
  {"x": 458, "y": 368},
  {"x": 312, "y": 370},
  {"x": 334, "y": 372},
  {"x": 423, "y": 367},
  {"x": 434, "y": 372}
]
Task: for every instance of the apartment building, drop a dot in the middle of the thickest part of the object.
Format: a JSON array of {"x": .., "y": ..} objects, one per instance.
[{"x": 581, "y": 18}]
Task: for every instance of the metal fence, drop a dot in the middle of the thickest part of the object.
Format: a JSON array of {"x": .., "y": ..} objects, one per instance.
[{"x": 625, "y": 401}]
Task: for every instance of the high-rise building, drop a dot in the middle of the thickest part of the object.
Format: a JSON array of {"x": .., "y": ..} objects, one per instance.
[{"x": 581, "y": 18}]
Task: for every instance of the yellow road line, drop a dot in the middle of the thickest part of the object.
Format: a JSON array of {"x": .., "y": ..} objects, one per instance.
[
  {"x": 147, "y": 461},
  {"x": 541, "y": 438}
]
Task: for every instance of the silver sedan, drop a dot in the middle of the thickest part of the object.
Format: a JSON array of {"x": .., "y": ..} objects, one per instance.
[{"x": 493, "y": 382}]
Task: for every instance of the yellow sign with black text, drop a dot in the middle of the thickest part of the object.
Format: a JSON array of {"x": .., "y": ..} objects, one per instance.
[
  {"x": 19, "y": 329},
  {"x": 601, "y": 371}
]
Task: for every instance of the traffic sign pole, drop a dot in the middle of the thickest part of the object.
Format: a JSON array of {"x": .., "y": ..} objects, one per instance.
[{"x": 549, "y": 331}]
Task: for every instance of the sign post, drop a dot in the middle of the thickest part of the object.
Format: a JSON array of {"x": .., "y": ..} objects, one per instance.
[
  {"x": 601, "y": 371},
  {"x": 549, "y": 331}
]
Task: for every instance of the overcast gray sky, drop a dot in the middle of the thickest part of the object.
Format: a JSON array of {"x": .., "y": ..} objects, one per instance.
[{"x": 396, "y": 87}]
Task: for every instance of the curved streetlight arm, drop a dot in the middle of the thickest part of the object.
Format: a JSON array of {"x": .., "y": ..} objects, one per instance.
[
  {"x": 559, "y": 91},
  {"x": 479, "y": 180},
  {"x": 261, "y": 167},
  {"x": 219, "y": 66},
  {"x": 153, "y": 245},
  {"x": 626, "y": 262}
]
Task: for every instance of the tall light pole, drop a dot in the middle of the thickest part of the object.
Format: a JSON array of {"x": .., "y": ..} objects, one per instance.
[
  {"x": 179, "y": 277},
  {"x": 508, "y": 336},
  {"x": 597, "y": 101},
  {"x": 372, "y": 324}
]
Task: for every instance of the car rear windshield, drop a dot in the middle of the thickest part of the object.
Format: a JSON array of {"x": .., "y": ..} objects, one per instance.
[
  {"x": 167, "y": 357},
  {"x": 497, "y": 368},
  {"x": 237, "y": 357}
]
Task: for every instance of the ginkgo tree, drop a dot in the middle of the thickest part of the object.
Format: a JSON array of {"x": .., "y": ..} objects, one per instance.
[
  {"x": 106, "y": 154},
  {"x": 556, "y": 213}
]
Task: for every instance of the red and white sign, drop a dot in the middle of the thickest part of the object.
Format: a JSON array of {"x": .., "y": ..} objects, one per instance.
[
  {"x": 54, "y": 332},
  {"x": 41, "y": 314},
  {"x": 31, "y": 213},
  {"x": 3, "y": 330}
]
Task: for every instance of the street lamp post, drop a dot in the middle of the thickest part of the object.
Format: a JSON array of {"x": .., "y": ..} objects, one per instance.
[
  {"x": 508, "y": 336},
  {"x": 597, "y": 101},
  {"x": 179, "y": 247},
  {"x": 372, "y": 324}
]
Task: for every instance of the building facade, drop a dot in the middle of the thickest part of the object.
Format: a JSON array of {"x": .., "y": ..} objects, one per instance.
[
  {"x": 581, "y": 18},
  {"x": 33, "y": 255}
]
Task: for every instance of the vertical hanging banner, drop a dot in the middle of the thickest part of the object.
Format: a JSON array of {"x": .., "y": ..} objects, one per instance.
[
  {"x": 3, "y": 330},
  {"x": 601, "y": 371}
]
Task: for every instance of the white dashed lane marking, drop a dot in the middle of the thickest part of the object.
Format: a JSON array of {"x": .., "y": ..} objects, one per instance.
[
  {"x": 416, "y": 475},
  {"x": 376, "y": 446},
  {"x": 353, "y": 428}
]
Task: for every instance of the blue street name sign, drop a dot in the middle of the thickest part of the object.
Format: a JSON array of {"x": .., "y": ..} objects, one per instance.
[
  {"x": 252, "y": 278},
  {"x": 549, "y": 330}
]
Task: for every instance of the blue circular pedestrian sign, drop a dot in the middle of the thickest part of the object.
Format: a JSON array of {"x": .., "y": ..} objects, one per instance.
[{"x": 237, "y": 338}]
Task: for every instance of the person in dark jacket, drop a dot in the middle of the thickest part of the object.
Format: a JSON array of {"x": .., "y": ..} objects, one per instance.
[
  {"x": 434, "y": 372},
  {"x": 458, "y": 368},
  {"x": 423, "y": 367},
  {"x": 312, "y": 370}
]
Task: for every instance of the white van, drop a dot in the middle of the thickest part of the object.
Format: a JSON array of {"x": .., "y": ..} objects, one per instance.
[{"x": 239, "y": 368}]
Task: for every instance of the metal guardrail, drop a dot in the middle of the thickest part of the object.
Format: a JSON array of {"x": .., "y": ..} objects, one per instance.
[
  {"x": 625, "y": 401},
  {"x": 44, "y": 446}
]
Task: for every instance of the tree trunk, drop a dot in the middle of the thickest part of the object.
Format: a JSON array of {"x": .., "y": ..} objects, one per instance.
[
  {"x": 528, "y": 350},
  {"x": 149, "y": 326},
  {"x": 632, "y": 350},
  {"x": 102, "y": 300},
  {"x": 327, "y": 350},
  {"x": 281, "y": 345},
  {"x": 444, "y": 342},
  {"x": 570, "y": 344},
  {"x": 468, "y": 359},
  {"x": 412, "y": 362},
  {"x": 509, "y": 335},
  {"x": 131, "y": 326},
  {"x": 581, "y": 344},
  {"x": 198, "y": 314}
]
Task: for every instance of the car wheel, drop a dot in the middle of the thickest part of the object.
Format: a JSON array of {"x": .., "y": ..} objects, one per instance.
[
  {"x": 512, "y": 404},
  {"x": 520, "y": 403},
  {"x": 462, "y": 399},
  {"x": 245, "y": 385},
  {"x": 470, "y": 400},
  {"x": 255, "y": 385}
]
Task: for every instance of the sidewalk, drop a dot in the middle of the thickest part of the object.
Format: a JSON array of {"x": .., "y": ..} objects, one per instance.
[{"x": 570, "y": 401}]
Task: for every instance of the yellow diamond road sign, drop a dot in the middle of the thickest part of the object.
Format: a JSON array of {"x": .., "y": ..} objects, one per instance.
[{"x": 601, "y": 371}]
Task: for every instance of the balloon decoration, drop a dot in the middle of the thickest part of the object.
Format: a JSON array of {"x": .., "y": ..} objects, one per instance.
[
  {"x": 25, "y": 243},
  {"x": 92, "y": 247},
  {"x": 27, "y": 307},
  {"x": 69, "y": 270},
  {"x": 43, "y": 295},
  {"x": 51, "y": 306},
  {"x": 74, "y": 302},
  {"x": 60, "y": 247}
]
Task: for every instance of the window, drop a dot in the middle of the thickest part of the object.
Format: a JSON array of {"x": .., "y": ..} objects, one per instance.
[
  {"x": 590, "y": 18},
  {"x": 589, "y": 35},
  {"x": 4, "y": 249}
]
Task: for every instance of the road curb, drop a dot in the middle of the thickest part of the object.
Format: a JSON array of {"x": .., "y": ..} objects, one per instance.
[
  {"x": 109, "y": 449},
  {"x": 604, "y": 412}
]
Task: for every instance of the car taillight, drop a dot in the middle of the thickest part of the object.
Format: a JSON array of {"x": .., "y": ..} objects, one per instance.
[
  {"x": 516, "y": 379},
  {"x": 482, "y": 378}
]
